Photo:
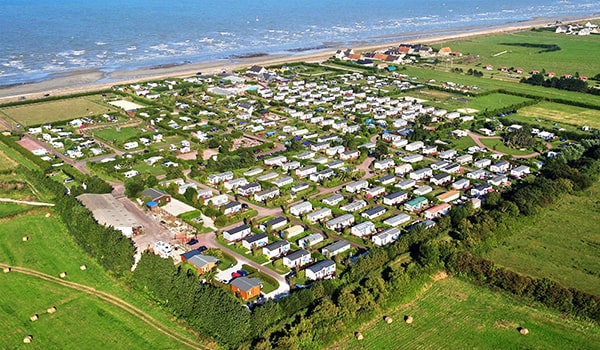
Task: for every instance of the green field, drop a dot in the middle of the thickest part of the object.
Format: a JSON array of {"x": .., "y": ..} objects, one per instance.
[
  {"x": 51, "y": 250},
  {"x": 576, "y": 54},
  {"x": 454, "y": 314},
  {"x": 121, "y": 135},
  {"x": 498, "y": 145},
  {"x": 556, "y": 112},
  {"x": 563, "y": 243},
  {"x": 10, "y": 159},
  {"x": 493, "y": 101},
  {"x": 55, "y": 111}
]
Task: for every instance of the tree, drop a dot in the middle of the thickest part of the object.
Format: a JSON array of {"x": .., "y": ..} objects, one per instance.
[{"x": 381, "y": 149}]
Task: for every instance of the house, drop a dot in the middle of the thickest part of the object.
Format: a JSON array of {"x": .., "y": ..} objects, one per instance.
[
  {"x": 406, "y": 184},
  {"x": 185, "y": 256},
  {"x": 131, "y": 173},
  {"x": 340, "y": 222},
  {"x": 310, "y": 240},
  {"x": 373, "y": 212},
  {"x": 266, "y": 194},
  {"x": 215, "y": 179},
  {"x": 333, "y": 199},
  {"x": 203, "y": 263},
  {"x": 520, "y": 171},
  {"x": 386, "y": 237},
  {"x": 293, "y": 231},
  {"x": 500, "y": 167},
  {"x": 130, "y": 145},
  {"x": 305, "y": 171},
  {"x": 428, "y": 150},
  {"x": 322, "y": 269},
  {"x": 276, "y": 249},
  {"x": 416, "y": 204},
  {"x": 437, "y": 211},
  {"x": 320, "y": 146},
  {"x": 374, "y": 192},
  {"x": 439, "y": 165},
  {"x": 217, "y": 200},
  {"x": 478, "y": 174},
  {"x": 395, "y": 198},
  {"x": 482, "y": 163},
  {"x": 252, "y": 241},
  {"x": 299, "y": 187},
  {"x": 301, "y": 208},
  {"x": 383, "y": 164},
  {"x": 451, "y": 168},
  {"x": 291, "y": 165},
  {"x": 253, "y": 172},
  {"x": 357, "y": 186},
  {"x": 422, "y": 190},
  {"x": 363, "y": 229},
  {"x": 441, "y": 179},
  {"x": 449, "y": 196},
  {"x": 464, "y": 159},
  {"x": 412, "y": 158},
  {"x": 236, "y": 233},
  {"x": 350, "y": 155},
  {"x": 481, "y": 190},
  {"x": 414, "y": 146},
  {"x": 278, "y": 160},
  {"x": 335, "y": 248},
  {"x": 498, "y": 180},
  {"x": 402, "y": 169},
  {"x": 318, "y": 215},
  {"x": 321, "y": 175},
  {"x": 461, "y": 184},
  {"x": 283, "y": 181},
  {"x": 354, "y": 206},
  {"x": 421, "y": 174},
  {"x": 247, "y": 287},
  {"x": 397, "y": 220},
  {"x": 387, "y": 179},
  {"x": 232, "y": 208},
  {"x": 273, "y": 224},
  {"x": 298, "y": 258},
  {"x": 157, "y": 196},
  {"x": 248, "y": 189}
]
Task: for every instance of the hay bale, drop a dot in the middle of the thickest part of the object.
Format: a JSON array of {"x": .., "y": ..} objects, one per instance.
[
  {"x": 28, "y": 339},
  {"x": 63, "y": 275},
  {"x": 6, "y": 269},
  {"x": 524, "y": 331},
  {"x": 359, "y": 336},
  {"x": 48, "y": 215},
  {"x": 83, "y": 267},
  {"x": 408, "y": 319},
  {"x": 51, "y": 310},
  {"x": 388, "y": 319},
  {"x": 34, "y": 317},
  {"x": 25, "y": 238}
]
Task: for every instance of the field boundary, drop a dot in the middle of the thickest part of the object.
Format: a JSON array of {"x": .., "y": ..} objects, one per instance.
[{"x": 113, "y": 300}]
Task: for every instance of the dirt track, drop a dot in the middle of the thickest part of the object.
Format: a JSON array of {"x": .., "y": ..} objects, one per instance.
[{"x": 113, "y": 300}]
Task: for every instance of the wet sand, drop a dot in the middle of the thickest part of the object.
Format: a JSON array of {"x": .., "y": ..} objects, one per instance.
[{"x": 93, "y": 80}]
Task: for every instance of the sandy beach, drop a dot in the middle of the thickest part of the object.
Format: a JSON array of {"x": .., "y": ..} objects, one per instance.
[{"x": 92, "y": 80}]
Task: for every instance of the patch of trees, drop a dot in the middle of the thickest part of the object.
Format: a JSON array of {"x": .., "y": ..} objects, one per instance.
[
  {"x": 474, "y": 72},
  {"x": 520, "y": 138},
  {"x": 562, "y": 83},
  {"x": 543, "y": 47}
]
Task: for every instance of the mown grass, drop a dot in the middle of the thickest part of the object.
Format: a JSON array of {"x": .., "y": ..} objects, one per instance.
[
  {"x": 10, "y": 159},
  {"x": 57, "y": 111},
  {"x": 50, "y": 249},
  {"x": 454, "y": 314},
  {"x": 562, "y": 243},
  {"x": 493, "y": 101},
  {"x": 498, "y": 145},
  {"x": 10, "y": 209},
  {"x": 81, "y": 321},
  {"x": 120, "y": 135},
  {"x": 559, "y": 113}
]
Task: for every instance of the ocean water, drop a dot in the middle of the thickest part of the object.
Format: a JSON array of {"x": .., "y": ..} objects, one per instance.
[{"x": 42, "y": 38}]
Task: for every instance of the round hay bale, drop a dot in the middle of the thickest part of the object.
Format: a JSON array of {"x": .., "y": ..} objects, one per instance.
[
  {"x": 51, "y": 310},
  {"x": 25, "y": 238},
  {"x": 408, "y": 319},
  {"x": 83, "y": 267},
  {"x": 388, "y": 319},
  {"x": 524, "y": 331},
  {"x": 34, "y": 317},
  {"x": 28, "y": 339},
  {"x": 48, "y": 215},
  {"x": 6, "y": 269},
  {"x": 359, "y": 336},
  {"x": 63, "y": 275}
]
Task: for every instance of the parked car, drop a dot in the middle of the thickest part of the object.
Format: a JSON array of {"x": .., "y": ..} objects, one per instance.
[
  {"x": 192, "y": 241},
  {"x": 202, "y": 248}
]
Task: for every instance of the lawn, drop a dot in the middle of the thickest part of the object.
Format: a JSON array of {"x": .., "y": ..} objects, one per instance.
[
  {"x": 118, "y": 135},
  {"x": 11, "y": 209},
  {"x": 556, "y": 112},
  {"x": 498, "y": 145},
  {"x": 50, "y": 249},
  {"x": 493, "y": 101},
  {"x": 562, "y": 243},
  {"x": 454, "y": 314},
  {"x": 106, "y": 326},
  {"x": 57, "y": 111}
]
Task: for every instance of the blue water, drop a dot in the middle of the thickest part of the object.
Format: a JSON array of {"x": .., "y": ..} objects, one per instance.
[{"x": 39, "y": 38}]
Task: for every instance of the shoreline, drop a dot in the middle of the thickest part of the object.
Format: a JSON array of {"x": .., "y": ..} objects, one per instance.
[{"x": 92, "y": 79}]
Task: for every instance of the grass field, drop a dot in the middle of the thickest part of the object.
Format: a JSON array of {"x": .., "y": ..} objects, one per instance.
[
  {"x": 576, "y": 54},
  {"x": 10, "y": 209},
  {"x": 556, "y": 112},
  {"x": 563, "y": 243},
  {"x": 56, "y": 111},
  {"x": 50, "y": 249},
  {"x": 10, "y": 158},
  {"x": 498, "y": 145},
  {"x": 119, "y": 136},
  {"x": 454, "y": 314},
  {"x": 493, "y": 101}
]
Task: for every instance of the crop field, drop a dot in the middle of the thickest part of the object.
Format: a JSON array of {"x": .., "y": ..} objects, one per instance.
[
  {"x": 454, "y": 314},
  {"x": 51, "y": 250},
  {"x": 56, "y": 111},
  {"x": 563, "y": 243},
  {"x": 530, "y": 50},
  {"x": 556, "y": 112}
]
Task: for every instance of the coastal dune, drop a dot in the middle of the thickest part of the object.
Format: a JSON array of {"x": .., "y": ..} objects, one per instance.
[{"x": 92, "y": 80}]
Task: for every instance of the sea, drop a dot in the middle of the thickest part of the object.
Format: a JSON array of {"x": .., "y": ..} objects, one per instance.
[{"x": 41, "y": 39}]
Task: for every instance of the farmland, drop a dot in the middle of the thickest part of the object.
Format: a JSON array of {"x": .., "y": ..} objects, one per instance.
[
  {"x": 562, "y": 114},
  {"x": 55, "y": 111},
  {"x": 453, "y": 314},
  {"x": 562, "y": 243}
]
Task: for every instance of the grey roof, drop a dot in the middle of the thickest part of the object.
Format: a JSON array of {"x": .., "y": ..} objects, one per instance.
[
  {"x": 153, "y": 193},
  {"x": 375, "y": 210},
  {"x": 320, "y": 265},
  {"x": 394, "y": 195},
  {"x": 297, "y": 254},
  {"x": 246, "y": 283},
  {"x": 255, "y": 238},
  {"x": 202, "y": 260},
  {"x": 108, "y": 211},
  {"x": 276, "y": 245},
  {"x": 237, "y": 229},
  {"x": 336, "y": 245}
]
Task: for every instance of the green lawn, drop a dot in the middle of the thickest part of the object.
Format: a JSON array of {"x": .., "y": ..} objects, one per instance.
[
  {"x": 562, "y": 243},
  {"x": 119, "y": 135},
  {"x": 498, "y": 145},
  {"x": 493, "y": 101},
  {"x": 454, "y": 314},
  {"x": 10, "y": 209},
  {"x": 80, "y": 321},
  {"x": 57, "y": 111}
]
